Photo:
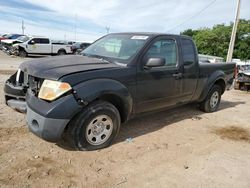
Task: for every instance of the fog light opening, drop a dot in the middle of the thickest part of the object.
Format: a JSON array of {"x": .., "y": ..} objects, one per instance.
[{"x": 35, "y": 123}]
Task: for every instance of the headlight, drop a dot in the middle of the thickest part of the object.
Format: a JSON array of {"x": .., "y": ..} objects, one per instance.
[{"x": 51, "y": 90}]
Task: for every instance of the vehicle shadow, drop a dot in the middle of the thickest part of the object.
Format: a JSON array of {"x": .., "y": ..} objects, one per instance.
[
  {"x": 37, "y": 56},
  {"x": 155, "y": 121},
  {"x": 151, "y": 122}
]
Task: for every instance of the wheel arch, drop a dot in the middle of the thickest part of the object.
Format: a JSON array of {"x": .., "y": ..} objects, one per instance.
[
  {"x": 118, "y": 102},
  {"x": 111, "y": 91},
  {"x": 20, "y": 48},
  {"x": 218, "y": 78},
  {"x": 62, "y": 50}
]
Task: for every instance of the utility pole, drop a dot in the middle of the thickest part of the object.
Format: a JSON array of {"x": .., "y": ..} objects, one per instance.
[
  {"x": 75, "y": 25},
  {"x": 23, "y": 27},
  {"x": 107, "y": 29},
  {"x": 233, "y": 35}
]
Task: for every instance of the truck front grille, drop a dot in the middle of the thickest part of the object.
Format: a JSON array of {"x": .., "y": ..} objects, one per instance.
[
  {"x": 34, "y": 84},
  {"x": 29, "y": 82}
]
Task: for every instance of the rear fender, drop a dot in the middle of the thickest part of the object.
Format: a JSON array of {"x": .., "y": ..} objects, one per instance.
[{"x": 213, "y": 78}]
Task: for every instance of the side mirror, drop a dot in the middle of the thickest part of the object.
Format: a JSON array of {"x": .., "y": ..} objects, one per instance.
[
  {"x": 155, "y": 62},
  {"x": 32, "y": 42}
]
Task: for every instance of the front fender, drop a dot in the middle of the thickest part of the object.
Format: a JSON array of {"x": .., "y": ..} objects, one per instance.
[
  {"x": 217, "y": 75},
  {"x": 91, "y": 90}
]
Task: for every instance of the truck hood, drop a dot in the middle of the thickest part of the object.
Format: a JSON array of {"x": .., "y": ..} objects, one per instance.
[{"x": 56, "y": 67}]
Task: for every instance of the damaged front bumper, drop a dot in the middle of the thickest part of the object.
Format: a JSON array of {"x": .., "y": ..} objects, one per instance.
[
  {"x": 15, "y": 93},
  {"x": 48, "y": 120},
  {"x": 45, "y": 119}
]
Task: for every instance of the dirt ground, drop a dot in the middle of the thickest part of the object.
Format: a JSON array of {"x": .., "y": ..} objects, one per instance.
[{"x": 176, "y": 148}]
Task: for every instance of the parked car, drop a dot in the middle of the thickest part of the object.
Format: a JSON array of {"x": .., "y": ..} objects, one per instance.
[
  {"x": 7, "y": 44},
  {"x": 242, "y": 80},
  {"x": 42, "y": 46},
  {"x": 9, "y": 37},
  {"x": 85, "y": 98},
  {"x": 3, "y": 36},
  {"x": 78, "y": 47}
]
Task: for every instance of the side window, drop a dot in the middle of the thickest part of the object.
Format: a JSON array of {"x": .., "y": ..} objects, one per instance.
[
  {"x": 188, "y": 51},
  {"x": 35, "y": 40},
  {"x": 44, "y": 41},
  {"x": 165, "y": 48}
]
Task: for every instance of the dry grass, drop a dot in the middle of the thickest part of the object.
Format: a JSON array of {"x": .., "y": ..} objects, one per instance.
[{"x": 233, "y": 133}]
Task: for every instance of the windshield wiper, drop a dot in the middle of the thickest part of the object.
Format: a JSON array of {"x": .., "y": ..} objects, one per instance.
[{"x": 98, "y": 57}]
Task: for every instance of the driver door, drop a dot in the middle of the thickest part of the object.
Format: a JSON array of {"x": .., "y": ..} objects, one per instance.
[
  {"x": 39, "y": 46},
  {"x": 159, "y": 87}
]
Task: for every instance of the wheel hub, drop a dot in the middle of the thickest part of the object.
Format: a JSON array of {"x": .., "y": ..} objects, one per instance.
[
  {"x": 214, "y": 99},
  {"x": 99, "y": 130}
]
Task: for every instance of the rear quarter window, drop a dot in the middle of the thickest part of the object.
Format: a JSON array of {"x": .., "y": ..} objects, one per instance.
[
  {"x": 188, "y": 51},
  {"x": 44, "y": 41}
]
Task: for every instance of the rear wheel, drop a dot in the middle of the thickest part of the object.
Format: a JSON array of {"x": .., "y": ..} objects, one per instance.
[
  {"x": 212, "y": 101},
  {"x": 61, "y": 52},
  {"x": 95, "y": 127}
]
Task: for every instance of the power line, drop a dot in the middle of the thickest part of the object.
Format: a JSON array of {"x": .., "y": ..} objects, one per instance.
[{"x": 198, "y": 13}]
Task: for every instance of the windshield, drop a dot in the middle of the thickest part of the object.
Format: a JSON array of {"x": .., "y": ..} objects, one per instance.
[
  {"x": 14, "y": 36},
  {"x": 8, "y": 36},
  {"x": 120, "y": 47},
  {"x": 23, "y": 38}
]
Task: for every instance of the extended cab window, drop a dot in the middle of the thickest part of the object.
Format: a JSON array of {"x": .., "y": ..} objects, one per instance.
[
  {"x": 188, "y": 51},
  {"x": 44, "y": 41},
  {"x": 165, "y": 48}
]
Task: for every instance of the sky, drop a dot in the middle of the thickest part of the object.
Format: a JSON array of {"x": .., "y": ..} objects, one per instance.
[{"x": 87, "y": 20}]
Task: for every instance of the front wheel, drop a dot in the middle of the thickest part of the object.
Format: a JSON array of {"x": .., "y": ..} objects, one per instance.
[
  {"x": 95, "y": 127},
  {"x": 23, "y": 53},
  {"x": 212, "y": 101}
]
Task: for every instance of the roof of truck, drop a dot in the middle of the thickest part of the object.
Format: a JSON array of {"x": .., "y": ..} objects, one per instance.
[
  {"x": 152, "y": 34},
  {"x": 37, "y": 36}
]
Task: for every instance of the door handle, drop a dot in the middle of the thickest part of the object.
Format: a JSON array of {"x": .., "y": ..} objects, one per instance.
[{"x": 177, "y": 75}]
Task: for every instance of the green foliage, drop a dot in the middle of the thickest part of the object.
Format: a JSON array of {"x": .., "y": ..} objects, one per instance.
[{"x": 215, "y": 41}]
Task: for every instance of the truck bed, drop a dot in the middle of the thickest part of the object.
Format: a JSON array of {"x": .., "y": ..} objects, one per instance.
[{"x": 208, "y": 68}]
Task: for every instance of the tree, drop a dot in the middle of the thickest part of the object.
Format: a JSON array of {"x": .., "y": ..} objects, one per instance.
[{"x": 215, "y": 41}]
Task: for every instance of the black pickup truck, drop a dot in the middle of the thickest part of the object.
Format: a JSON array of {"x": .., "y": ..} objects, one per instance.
[{"x": 85, "y": 98}]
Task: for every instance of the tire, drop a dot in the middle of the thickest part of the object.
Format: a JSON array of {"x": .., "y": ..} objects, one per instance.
[
  {"x": 86, "y": 131},
  {"x": 212, "y": 101},
  {"x": 61, "y": 52},
  {"x": 23, "y": 53}
]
